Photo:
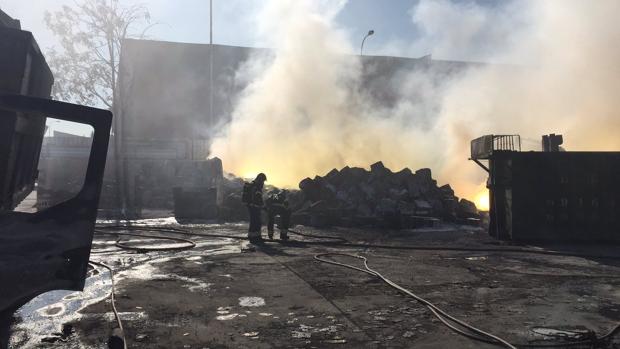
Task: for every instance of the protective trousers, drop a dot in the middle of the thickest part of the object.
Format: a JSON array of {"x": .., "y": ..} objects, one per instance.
[
  {"x": 255, "y": 222},
  {"x": 285, "y": 218}
]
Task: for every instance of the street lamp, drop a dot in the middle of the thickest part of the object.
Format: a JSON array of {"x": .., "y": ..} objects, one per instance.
[{"x": 370, "y": 32}]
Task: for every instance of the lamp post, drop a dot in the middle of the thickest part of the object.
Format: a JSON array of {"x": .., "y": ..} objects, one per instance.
[
  {"x": 370, "y": 32},
  {"x": 211, "y": 117}
]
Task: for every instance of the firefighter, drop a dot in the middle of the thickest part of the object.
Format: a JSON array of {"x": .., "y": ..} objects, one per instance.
[
  {"x": 277, "y": 205},
  {"x": 253, "y": 198}
]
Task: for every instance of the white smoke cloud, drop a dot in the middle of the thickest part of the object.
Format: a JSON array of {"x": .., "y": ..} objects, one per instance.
[
  {"x": 466, "y": 31},
  {"x": 566, "y": 84},
  {"x": 555, "y": 69},
  {"x": 304, "y": 113}
]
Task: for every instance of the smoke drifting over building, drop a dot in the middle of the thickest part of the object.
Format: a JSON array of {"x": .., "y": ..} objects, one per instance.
[
  {"x": 144, "y": 208},
  {"x": 307, "y": 109},
  {"x": 311, "y": 103}
]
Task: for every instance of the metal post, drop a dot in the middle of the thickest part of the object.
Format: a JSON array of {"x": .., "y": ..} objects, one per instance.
[
  {"x": 210, "y": 22},
  {"x": 370, "y": 32},
  {"x": 211, "y": 116}
]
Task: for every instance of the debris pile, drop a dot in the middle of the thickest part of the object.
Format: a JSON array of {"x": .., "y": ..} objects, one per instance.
[
  {"x": 354, "y": 196},
  {"x": 351, "y": 196}
]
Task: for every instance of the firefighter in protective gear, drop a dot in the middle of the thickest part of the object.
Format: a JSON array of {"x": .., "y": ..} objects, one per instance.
[
  {"x": 255, "y": 206},
  {"x": 277, "y": 205}
]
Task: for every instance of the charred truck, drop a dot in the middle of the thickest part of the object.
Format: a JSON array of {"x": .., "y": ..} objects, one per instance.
[{"x": 49, "y": 249}]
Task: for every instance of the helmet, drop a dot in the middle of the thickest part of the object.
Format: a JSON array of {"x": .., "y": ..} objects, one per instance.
[{"x": 261, "y": 177}]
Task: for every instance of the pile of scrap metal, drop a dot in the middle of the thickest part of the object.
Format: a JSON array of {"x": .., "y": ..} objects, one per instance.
[{"x": 356, "y": 197}]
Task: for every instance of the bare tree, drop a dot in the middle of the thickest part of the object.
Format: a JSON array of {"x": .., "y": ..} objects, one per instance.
[{"x": 86, "y": 64}]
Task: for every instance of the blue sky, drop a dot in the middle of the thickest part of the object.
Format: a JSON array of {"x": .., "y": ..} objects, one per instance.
[
  {"x": 234, "y": 20},
  {"x": 449, "y": 29}
]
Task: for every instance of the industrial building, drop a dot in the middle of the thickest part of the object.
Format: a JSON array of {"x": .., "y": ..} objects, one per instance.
[
  {"x": 379, "y": 258},
  {"x": 151, "y": 156}
]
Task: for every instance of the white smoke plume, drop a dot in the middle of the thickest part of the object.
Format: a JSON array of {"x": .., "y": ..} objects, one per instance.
[{"x": 554, "y": 68}]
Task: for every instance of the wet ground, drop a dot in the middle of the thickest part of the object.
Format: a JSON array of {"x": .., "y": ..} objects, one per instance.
[{"x": 221, "y": 294}]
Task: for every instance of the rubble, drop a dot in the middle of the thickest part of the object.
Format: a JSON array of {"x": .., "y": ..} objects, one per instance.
[{"x": 354, "y": 196}]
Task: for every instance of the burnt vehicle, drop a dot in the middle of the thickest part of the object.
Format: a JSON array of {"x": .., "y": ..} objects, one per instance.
[{"x": 48, "y": 249}]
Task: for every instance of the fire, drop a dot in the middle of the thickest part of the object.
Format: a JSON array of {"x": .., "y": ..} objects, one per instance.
[{"x": 482, "y": 200}]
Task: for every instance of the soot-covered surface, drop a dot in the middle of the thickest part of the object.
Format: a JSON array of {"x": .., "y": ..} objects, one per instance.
[{"x": 221, "y": 294}]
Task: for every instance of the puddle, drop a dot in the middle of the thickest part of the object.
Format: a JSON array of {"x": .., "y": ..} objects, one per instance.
[
  {"x": 125, "y": 316},
  {"x": 301, "y": 334},
  {"x": 223, "y": 310},
  {"x": 477, "y": 258},
  {"x": 251, "y": 301},
  {"x": 574, "y": 334},
  {"x": 46, "y": 313},
  {"x": 52, "y": 310},
  {"x": 227, "y": 317},
  {"x": 306, "y": 331},
  {"x": 192, "y": 284}
]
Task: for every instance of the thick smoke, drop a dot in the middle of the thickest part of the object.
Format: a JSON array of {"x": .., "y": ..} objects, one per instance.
[
  {"x": 564, "y": 78},
  {"x": 554, "y": 68}
]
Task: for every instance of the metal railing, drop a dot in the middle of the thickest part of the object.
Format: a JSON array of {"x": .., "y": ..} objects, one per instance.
[
  {"x": 507, "y": 142},
  {"x": 483, "y": 147}
]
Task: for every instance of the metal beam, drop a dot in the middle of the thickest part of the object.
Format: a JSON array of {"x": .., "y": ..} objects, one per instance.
[{"x": 480, "y": 164}]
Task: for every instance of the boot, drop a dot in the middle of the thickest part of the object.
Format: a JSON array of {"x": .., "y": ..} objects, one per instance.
[
  {"x": 255, "y": 237},
  {"x": 284, "y": 234}
]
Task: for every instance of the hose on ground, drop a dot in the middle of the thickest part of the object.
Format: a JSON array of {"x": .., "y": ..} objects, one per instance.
[
  {"x": 112, "y": 299},
  {"x": 452, "y": 322},
  {"x": 342, "y": 242},
  {"x": 448, "y": 320},
  {"x": 433, "y": 308},
  {"x": 185, "y": 243}
]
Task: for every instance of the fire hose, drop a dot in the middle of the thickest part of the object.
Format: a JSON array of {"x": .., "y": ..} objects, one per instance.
[
  {"x": 455, "y": 324},
  {"x": 112, "y": 300},
  {"x": 459, "y": 326}
]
